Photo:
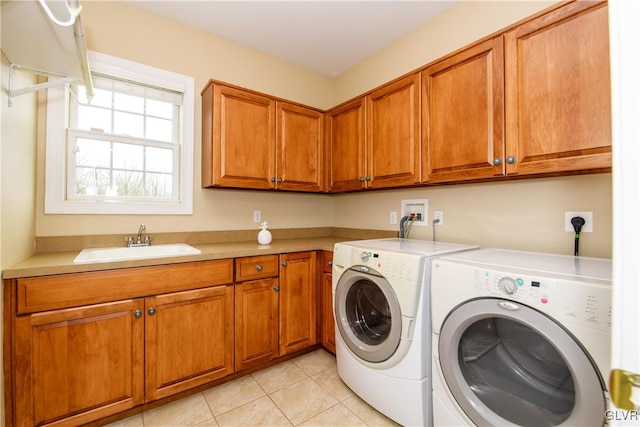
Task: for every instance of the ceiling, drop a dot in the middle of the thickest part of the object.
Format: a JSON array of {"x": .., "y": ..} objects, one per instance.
[{"x": 327, "y": 36}]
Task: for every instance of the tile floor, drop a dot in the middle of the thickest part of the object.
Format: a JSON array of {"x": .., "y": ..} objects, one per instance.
[{"x": 305, "y": 391}]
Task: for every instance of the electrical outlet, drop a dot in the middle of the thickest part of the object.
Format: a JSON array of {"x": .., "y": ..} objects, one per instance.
[
  {"x": 588, "y": 221},
  {"x": 393, "y": 217},
  {"x": 438, "y": 215},
  {"x": 257, "y": 216}
]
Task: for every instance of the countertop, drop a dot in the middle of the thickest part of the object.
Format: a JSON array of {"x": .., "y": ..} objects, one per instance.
[{"x": 44, "y": 264}]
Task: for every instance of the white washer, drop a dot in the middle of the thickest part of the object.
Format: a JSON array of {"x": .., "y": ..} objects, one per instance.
[
  {"x": 520, "y": 338},
  {"x": 381, "y": 302}
]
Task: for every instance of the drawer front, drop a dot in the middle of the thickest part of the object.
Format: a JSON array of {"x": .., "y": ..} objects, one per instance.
[
  {"x": 256, "y": 267},
  {"x": 71, "y": 290}
]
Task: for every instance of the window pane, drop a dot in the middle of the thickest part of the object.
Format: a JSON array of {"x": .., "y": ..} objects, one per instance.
[
  {"x": 92, "y": 181},
  {"x": 158, "y": 185},
  {"x": 124, "y": 102},
  {"x": 93, "y": 152},
  {"x": 128, "y": 124},
  {"x": 128, "y": 183},
  {"x": 103, "y": 181},
  {"x": 128, "y": 156},
  {"x": 159, "y": 129},
  {"x": 159, "y": 109},
  {"x": 94, "y": 118},
  {"x": 85, "y": 181},
  {"x": 159, "y": 159}
]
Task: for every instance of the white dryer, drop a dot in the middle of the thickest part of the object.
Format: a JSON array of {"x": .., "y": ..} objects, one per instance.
[
  {"x": 381, "y": 302},
  {"x": 520, "y": 338}
]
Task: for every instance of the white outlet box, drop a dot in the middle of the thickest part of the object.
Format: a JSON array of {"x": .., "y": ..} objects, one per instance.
[
  {"x": 438, "y": 215},
  {"x": 419, "y": 208},
  {"x": 257, "y": 216},
  {"x": 588, "y": 221},
  {"x": 393, "y": 217}
]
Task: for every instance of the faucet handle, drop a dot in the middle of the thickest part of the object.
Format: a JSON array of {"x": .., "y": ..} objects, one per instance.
[
  {"x": 147, "y": 240},
  {"x": 128, "y": 240}
]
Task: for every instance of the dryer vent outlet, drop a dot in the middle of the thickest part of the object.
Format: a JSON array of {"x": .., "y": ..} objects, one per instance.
[{"x": 416, "y": 208}]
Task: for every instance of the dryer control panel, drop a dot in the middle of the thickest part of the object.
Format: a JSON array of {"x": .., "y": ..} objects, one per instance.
[{"x": 570, "y": 301}]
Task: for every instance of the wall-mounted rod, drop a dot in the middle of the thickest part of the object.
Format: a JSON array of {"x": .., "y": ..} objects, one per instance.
[{"x": 81, "y": 46}]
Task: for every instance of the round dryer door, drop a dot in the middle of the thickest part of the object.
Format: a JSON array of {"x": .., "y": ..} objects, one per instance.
[
  {"x": 368, "y": 314},
  {"x": 508, "y": 364}
]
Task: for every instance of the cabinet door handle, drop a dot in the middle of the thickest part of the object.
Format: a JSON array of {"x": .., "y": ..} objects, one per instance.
[
  {"x": 330, "y": 263},
  {"x": 368, "y": 178},
  {"x": 362, "y": 179},
  {"x": 279, "y": 179},
  {"x": 497, "y": 161},
  {"x": 137, "y": 314},
  {"x": 151, "y": 311},
  {"x": 285, "y": 263},
  {"x": 511, "y": 160},
  {"x": 259, "y": 267},
  {"x": 273, "y": 179},
  {"x": 276, "y": 288}
]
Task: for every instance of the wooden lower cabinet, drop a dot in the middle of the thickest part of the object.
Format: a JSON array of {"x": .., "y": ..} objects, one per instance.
[
  {"x": 256, "y": 322},
  {"x": 326, "y": 289},
  {"x": 275, "y": 316},
  {"x": 189, "y": 339},
  {"x": 297, "y": 301},
  {"x": 76, "y": 365}
]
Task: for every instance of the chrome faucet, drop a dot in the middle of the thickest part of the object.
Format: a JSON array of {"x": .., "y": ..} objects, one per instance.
[
  {"x": 138, "y": 241},
  {"x": 140, "y": 230}
]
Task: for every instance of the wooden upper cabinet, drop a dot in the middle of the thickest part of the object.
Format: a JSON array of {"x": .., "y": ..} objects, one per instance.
[
  {"x": 250, "y": 140},
  {"x": 463, "y": 115},
  {"x": 346, "y": 146},
  {"x": 374, "y": 141},
  {"x": 558, "y": 91},
  {"x": 393, "y": 134},
  {"x": 238, "y": 138},
  {"x": 299, "y": 149}
]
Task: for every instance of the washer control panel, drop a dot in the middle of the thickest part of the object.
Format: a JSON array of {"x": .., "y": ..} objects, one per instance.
[
  {"x": 393, "y": 266},
  {"x": 571, "y": 301}
]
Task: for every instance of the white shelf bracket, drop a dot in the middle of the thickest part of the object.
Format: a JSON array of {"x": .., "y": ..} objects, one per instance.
[{"x": 57, "y": 81}]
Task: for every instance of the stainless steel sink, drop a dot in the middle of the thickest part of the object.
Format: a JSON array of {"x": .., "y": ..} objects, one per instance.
[{"x": 137, "y": 252}]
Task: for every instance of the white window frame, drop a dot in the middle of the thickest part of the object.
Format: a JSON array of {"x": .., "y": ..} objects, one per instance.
[{"x": 56, "y": 158}]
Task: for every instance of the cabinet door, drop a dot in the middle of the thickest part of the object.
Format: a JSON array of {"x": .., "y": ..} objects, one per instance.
[
  {"x": 558, "y": 91},
  {"x": 78, "y": 365},
  {"x": 463, "y": 115},
  {"x": 328, "y": 322},
  {"x": 189, "y": 339},
  {"x": 238, "y": 138},
  {"x": 393, "y": 134},
  {"x": 256, "y": 322},
  {"x": 346, "y": 147},
  {"x": 300, "y": 148},
  {"x": 297, "y": 301}
]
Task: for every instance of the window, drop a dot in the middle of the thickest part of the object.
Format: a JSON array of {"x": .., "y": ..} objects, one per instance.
[{"x": 128, "y": 149}]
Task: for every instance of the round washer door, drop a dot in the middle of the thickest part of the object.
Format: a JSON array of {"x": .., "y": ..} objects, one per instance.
[
  {"x": 368, "y": 314},
  {"x": 508, "y": 364}
]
